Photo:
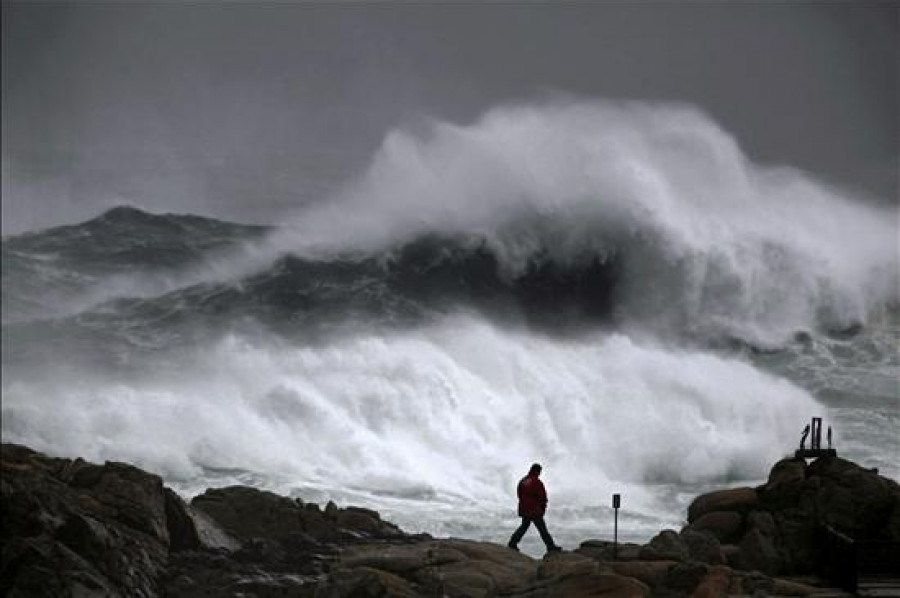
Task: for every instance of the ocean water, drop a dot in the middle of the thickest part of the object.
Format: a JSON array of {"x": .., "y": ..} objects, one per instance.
[{"x": 612, "y": 289}]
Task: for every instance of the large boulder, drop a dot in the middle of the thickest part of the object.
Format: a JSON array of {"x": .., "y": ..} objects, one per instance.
[
  {"x": 724, "y": 525},
  {"x": 667, "y": 545},
  {"x": 739, "y": 500}
]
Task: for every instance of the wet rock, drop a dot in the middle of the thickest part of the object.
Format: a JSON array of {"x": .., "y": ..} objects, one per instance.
[{"x": 76, "y": 528}]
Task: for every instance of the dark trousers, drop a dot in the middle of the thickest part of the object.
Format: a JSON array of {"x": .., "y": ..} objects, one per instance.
[{"x": 541, "y": 527}]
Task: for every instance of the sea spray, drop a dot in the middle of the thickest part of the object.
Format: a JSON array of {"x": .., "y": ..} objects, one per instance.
[
  {"x": 714, "y": 244},
  {"x": 451, "y": 411}
]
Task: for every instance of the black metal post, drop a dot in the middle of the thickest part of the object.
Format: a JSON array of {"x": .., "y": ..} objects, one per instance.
[{"x": 617, "y": 501}]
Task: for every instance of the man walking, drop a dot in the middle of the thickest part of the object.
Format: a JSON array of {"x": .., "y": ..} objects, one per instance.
[{"x": 532, "y": 506}]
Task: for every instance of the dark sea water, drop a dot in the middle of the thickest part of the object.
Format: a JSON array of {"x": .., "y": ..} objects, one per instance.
[{"x": 612, "y": 290}]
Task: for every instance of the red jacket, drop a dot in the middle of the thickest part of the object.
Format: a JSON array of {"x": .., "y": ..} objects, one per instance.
[{"x": 532, "y": 497}]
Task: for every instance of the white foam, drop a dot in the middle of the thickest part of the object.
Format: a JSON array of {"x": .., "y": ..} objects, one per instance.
[
  {"x": 450, "y": 414},
  {"x": 714, "y": 245}
]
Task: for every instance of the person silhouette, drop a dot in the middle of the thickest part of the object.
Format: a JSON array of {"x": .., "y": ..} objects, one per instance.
[
  {"x": 803, "y": 438},
  {"x": 829, "y": 436},
  {"x": 532, "y": 506}
]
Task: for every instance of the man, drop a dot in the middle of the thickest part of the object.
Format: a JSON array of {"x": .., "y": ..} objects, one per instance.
[{"x": 532, "y": 506}]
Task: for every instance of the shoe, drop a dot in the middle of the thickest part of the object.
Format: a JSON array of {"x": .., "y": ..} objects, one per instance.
[
  {"x": 555, "y": 549},
  {"x": 513, "y": 547}
]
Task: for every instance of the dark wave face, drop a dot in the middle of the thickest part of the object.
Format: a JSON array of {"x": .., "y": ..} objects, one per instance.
[
  {"x": 301, "y": 298},
  {"x": 60, "y": 269}
]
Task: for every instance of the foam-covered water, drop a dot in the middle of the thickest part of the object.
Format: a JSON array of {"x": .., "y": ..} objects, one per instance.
[{"x": 613, "y": 290}]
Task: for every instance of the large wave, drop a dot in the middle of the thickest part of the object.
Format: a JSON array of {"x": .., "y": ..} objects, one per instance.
[
  {"x": 711, "y": 244},
  {"x": 482, "y": 297}
]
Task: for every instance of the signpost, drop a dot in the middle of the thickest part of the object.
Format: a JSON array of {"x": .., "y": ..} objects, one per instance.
[{"x": 616, "y": 503}]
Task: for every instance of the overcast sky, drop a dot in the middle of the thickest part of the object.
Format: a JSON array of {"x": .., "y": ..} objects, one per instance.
[{"x": 242, "y": 110}]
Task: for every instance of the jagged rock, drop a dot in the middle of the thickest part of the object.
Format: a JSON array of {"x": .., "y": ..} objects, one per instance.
[
  {"x": 73, "y": 528},
  {"x": 76, "y": 528},
  {"x": 740, "y": 500},
  {"x": 248, "y": 513},
  {"x": 183, "y": 533}
]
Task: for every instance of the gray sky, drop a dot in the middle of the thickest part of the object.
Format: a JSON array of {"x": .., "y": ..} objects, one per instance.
[{"x": 240, "y": 110}]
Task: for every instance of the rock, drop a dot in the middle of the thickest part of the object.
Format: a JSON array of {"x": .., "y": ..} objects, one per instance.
[
  {"x": 210, "y": 534},
  {"x": 75, "y": 528},
  {"x": 667, "y": 545},
  {"x": 758, "y": 553},
  {"x": 714, "y": 584},
  {"x": 741, "y": 500},
  {"x": 731, "y": 553},
  {"x": 783, "y": 587},
  {"x": 602, "y": 550},
  {"x": 762, "y": 521},
  {"x": 651, "y": 573},
  {"x": 751, "y": 583},
  {"x": 183, "y": 534},
  {"x": 247, "y": 513},
  {"x": 363, "y": 582},
  {"x": 366, "y": 521},
  {"x": 684, "y": 577},
  {"x": 703, "y": 547},
  {"x": 565, "y": 564},
  {"x": 331, "y": 511},
  {"x": 724, "y": 525},
  {"x": 599, "y": 584},
  {"x": 787, "y": 471},
  {"x": 854, "y": 500},
  {"x": 395, "y": 559}
]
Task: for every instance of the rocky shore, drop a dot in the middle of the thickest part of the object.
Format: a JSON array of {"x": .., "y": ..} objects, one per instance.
[{"x": 76, "y": 529}]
